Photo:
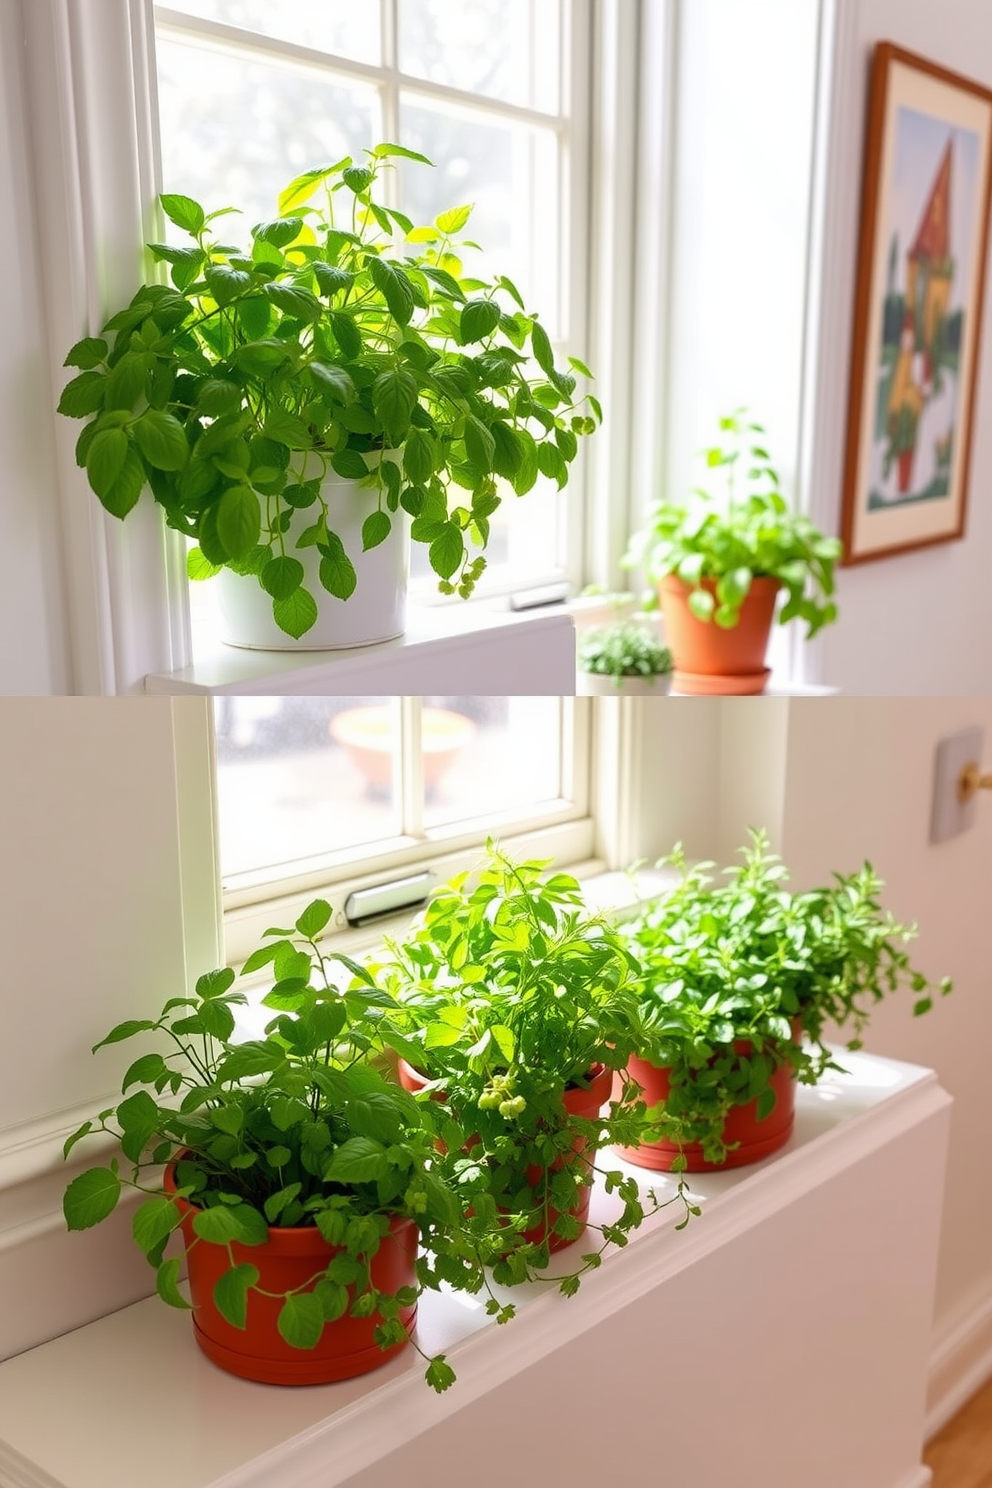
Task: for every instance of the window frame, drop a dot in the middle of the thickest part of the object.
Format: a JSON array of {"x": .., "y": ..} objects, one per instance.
[{"x": 91, "y": 85}]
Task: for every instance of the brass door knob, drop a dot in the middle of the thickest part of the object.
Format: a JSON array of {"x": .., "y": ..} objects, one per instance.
[{"x": 971, "y": 780}]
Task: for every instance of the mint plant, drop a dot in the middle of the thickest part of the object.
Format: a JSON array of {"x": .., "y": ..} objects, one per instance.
[
  {"x": 717, "y": 544},
  {"x": 506, "y": 993},
  {"x": 337, "y": 332},
  {"x": 744, "y": 959},
  {"x": 624, "y": 649},
  {"x": 296, "y": 1128}
]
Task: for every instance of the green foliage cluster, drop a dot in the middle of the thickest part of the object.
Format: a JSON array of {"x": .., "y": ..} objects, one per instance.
[
  {"x": 748, "y": 532},
  {"x": 746, "y": 960},
  {"x": 340, "y": 331},
  {"x": 624, "y": 649},
  {"x": 507, "y": 993},
  {"x": 295, "y": 1128}
]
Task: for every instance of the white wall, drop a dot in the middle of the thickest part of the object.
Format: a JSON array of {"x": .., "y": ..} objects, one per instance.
[
  {"x": 34, "y": 651},
  {"x": 920, "y": 623},
  {"x": 107, "y": 894}
]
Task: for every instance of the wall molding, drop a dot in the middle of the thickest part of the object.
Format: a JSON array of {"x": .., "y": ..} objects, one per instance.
[{"x": 960, "y": 1363}]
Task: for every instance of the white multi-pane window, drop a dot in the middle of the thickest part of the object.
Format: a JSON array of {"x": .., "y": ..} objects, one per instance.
[
  {"x": 250, "y": 94},
  {"x": 338, "y": 794}
]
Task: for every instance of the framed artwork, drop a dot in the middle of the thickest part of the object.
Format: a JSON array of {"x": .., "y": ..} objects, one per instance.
[{"x": 918, "y": 307}]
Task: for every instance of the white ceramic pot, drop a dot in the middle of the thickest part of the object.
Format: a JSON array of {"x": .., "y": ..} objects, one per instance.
[
  {"x": 376, "y": 611},
  {"x": 594, "y": 684}
]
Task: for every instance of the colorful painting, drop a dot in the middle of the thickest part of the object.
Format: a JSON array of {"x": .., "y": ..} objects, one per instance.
[{"x": 921, "y": 277}]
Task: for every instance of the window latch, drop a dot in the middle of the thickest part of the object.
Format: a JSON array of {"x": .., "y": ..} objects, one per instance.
[{"x": 387, "y": 898}]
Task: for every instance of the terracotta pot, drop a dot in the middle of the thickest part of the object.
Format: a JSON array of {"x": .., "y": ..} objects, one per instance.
[
  {"x": 751, "y": 1139},
  {"x": 708, "y": 659},
  {"x": 578, "y": 1102},
  {"x": 290, "y": 1259}
]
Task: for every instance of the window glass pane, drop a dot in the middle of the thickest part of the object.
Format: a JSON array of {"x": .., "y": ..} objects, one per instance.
[
  {"x": 341, "y": 26},
  {"x": 484, "y": 756},
  {"x": 235, "y": 131},
  {"x": 303, "y": 777},
  {"x": 505, "y": 49},
  {"x": 510, "y": 174}
]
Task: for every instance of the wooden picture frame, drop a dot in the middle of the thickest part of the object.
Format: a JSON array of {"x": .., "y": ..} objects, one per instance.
[{"x": 918, "y": 307}]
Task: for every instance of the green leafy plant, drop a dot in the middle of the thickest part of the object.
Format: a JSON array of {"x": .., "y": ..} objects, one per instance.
[
  {"x": 339, "y": 332},
  {"x": 507, "y": 995},
  {"x": 625, "y": 649},
  {"x": 746, "y": 960},
  {"x": 291, "y": 1129},
  {"x": 718, "y": 545}
]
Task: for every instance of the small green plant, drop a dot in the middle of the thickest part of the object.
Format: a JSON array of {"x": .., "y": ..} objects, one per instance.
[
  {"x": 295, "y": 1128},
  {"x": 718, "y": 545},
  {"x": 338, "y": 332},
  {"x": 625, "y": 649},
  {"x": 507, "y": 994},
  {"x": 746, "y": 960}
]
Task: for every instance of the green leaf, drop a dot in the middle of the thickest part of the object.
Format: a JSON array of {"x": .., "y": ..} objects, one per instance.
[
  {"x": 239, "y": 521},
  {"x": 394, "y": 397},
  {"x": 551, "y": 463},
  {"x": 419, "y": 456},
  {"x": 125, "y": 1030},
  {"x": 375, "y": 529},
  {"x": 166, "y": 1284},
  {"x": 349, "y": 464},
  {"x": 282, "y": 576},
  {"x": 90, "y": 1198},
  {"x": 105, "y": 459},
  {"x": 154, "y": 1221},
  {"x": 334, "y": 380},
  {"x": 296, "y": 614},
  {"x": 314, "y": 919},
  {"x": 480, "y": 445},
  {"x": 215, "y": 983},
  {"x": 542, "y": 348},
  {"x": 83, "y": 395},
  {"x": 447, "y": 550},
  {"x": 285, "y": 428},
  {"x": 453, "y": 220},
  {"x": 333, "y": 1299},
  {"x": 226, "y": 284},
  {"x": 439, "y": 1374},
  {"x": 144, "y": 1071},
  {"x": 347, "y": 335},
  {"x": 294, "y": 300},
  {"x": 301, "y": 1320},
  {"x": 337, "y": 572},
  {"x": 217, "y": 1020},
  {"x": 479, "y": 318},
  {"x": 280, "y": 232},
  {"x": 395, "y": 289},
  {"x": 223, "y": 1223},
  {"x": 184, "y": 212},
  {"x": 231, "y": 1293},
  {"x": 356, "y": 1161},
  {"x": 89, "y": 352},
  {"x": 161, "y": 439}
]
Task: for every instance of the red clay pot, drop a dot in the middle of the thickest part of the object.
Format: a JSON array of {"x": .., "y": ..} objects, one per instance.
[
  {"x": 578, "y": 1102},
  {"x": 290, "y": 1259},
  {"x": 756, "y": 1138},
  {"x": 711, "y": 661}
]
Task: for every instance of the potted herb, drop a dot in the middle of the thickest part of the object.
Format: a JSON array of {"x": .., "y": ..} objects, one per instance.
[
  {"x": 623, "y": 658},
  {"x": 740, "y": 980},
  {"x": 299, "y": 1177},
  {"x": 295, "y": 401},
  {"x": 516, "y": 1012},
  {"x": 720, "y": 562}
]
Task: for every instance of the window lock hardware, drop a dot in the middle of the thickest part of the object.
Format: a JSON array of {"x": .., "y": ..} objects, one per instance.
[{"x": 397, "y": 894}]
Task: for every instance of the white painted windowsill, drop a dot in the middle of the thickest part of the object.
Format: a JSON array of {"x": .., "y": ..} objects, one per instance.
[{"x": 129, "y": 1399}]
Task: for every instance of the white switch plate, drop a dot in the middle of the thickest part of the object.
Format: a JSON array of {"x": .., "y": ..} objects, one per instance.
[{"x": 950, "y": 814}]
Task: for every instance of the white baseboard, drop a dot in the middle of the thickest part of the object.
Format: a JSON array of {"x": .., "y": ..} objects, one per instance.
[{"x": 960, "y": 1363}]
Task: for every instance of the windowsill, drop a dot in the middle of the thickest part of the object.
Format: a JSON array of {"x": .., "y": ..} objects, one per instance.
[
  {"x": 117, "y": 1385},
  {"x": 482, "y": 649}
]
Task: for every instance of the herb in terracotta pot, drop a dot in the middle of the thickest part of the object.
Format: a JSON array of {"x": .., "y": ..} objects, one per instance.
[
  {"x": 719, "y": 556},
  {"x": 514, "y": 1007},
  {"x": 741, "y": 981},
  {"x": 333, "y": 334},
  {"x": 299, "y": 1176}
]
